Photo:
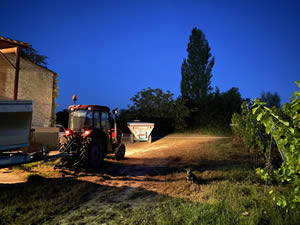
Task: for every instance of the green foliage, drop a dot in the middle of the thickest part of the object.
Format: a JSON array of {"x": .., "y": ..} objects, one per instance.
[
  {"x": 208, "y": 109},
  {"x": 245, "y": 127},
  {"x": 180, "y": 113},
  {"x": 270, "y": 99},
  {"x": 286, "y": 133},
  {"x": 216, "y": 109},
  {"x": 32, "y": 54},
  {"x": 154, "y": 105},
  {"x": 149, "y": 103},
  {"x": 196, "y": 69}
]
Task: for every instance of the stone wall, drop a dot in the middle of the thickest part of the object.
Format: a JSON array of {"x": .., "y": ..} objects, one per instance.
[{"x": 35, "y": 83}]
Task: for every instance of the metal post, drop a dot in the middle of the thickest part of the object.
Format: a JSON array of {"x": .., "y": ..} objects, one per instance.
[
  {"x": 17, "y": 74},
  {"x": 115, "y": 124}
]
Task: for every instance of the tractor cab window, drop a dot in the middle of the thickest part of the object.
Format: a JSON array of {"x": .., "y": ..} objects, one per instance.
[
  {"x": 105, "y": 121},
  {"x": 81, "y": 119},
  {"x": 97, "y": 120}
]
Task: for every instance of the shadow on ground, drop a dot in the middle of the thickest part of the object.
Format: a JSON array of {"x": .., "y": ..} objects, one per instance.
[{"x": 68, "y": 200}]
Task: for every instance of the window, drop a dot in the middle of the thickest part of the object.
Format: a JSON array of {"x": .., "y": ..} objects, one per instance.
[
  {"x": 81, "y": 119},
  {"x": 97, "y": 123},
  {"x": 105, "y": 121}
]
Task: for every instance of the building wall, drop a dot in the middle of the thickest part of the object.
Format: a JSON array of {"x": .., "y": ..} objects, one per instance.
[{"x": 35, "y": 83}]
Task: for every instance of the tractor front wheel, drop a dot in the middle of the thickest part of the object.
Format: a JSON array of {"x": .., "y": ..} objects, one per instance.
[{"x": 120, "y": 152}]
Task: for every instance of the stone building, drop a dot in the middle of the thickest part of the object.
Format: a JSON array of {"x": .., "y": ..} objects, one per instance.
[{"x": 34, "y": 83}]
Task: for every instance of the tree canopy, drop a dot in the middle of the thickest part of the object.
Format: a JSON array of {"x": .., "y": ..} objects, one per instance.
[
  {"x": 154, "y": 105},
  {"x": 196, "y": 70},
  {"x": 270, "y": 99},
  {"x": 33, "y": 55}
]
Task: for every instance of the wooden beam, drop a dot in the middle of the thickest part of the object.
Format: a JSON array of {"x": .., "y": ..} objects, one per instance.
[
  {"x": 9, "y": 50},
  {"x": 17, "y": 73}
]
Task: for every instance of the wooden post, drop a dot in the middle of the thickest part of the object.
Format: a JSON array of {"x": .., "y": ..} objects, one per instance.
[{"x": 17, "y": 73}]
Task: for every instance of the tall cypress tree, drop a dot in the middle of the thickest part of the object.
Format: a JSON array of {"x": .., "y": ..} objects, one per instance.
[{"x": 196, "y": 69}]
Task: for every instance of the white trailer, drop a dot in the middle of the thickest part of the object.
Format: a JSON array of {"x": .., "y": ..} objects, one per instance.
[
  {"x": 140, "y": 131},
  {"x": 15, "y": 128},
  {"x": 15, "y": 133}
]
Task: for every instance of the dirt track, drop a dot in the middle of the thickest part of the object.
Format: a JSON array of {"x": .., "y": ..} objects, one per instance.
[
  {"x": 149, "y": 173},
  {"x": 164, "y": 156}
]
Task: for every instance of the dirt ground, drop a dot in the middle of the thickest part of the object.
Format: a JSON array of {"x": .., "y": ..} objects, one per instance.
[
  {"x": 150, "y": 173},
  {"x": 143, "y": 162}
]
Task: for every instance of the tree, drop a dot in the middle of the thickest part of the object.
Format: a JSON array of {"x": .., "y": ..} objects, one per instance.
[
  {"x": 32, "y": 54},
  {"x": 62, "y": 117},
  {"x": 152, "y": 103},
  {"x": 270, "y": 99},
  {"x": 196, "y": 69},
  {"x": 156, "y": 106}
]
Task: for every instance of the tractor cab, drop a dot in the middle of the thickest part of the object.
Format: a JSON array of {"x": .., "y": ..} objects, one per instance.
[{"x": 89, "y": 117}]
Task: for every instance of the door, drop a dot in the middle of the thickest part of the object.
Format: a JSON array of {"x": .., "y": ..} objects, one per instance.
[{"x": 106, "y": 127}]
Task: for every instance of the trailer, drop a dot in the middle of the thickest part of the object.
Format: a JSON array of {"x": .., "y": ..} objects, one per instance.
[
  {"x": 140, "y": 131},
  {"x": 16, "y": 132}
]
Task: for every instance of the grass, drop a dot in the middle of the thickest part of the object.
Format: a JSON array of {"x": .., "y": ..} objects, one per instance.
[
  {"x": 231, "y": 193},
  {"x": 36, "y": 168},
  {"x": 215, "y": 131},
  {"x": 40, "y": 199}
]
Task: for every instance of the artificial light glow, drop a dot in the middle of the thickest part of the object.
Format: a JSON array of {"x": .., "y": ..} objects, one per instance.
[
  {"x": 86, "y": 132},
  {"x": 68, "y": 132}
]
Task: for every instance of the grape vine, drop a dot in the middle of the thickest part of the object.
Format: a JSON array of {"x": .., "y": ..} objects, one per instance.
[{"x": 265, "y": 131}]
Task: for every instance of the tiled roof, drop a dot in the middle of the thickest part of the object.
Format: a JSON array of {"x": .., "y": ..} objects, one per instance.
[{"x": 8, "y": 43}]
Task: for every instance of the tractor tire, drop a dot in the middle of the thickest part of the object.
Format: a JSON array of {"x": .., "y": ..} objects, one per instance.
[
  {"x": 131, "y": 138},
  {"x": 96, "y": 155},
  {"x": 150, "y": 139},
  {"x": 120, "y": 152},
  {"x": 92, "y": 154}
]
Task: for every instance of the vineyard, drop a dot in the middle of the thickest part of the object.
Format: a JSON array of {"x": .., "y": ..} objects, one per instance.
[{"x": 272, "y": 136}]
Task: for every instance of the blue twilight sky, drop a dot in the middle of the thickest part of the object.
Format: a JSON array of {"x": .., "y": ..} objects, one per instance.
[{"x": 106, "y": 51}]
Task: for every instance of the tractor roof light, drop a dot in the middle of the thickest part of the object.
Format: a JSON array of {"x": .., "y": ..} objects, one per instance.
[
  {"x": 68, "y": 132},
  {"x": 74, "y": 98}
]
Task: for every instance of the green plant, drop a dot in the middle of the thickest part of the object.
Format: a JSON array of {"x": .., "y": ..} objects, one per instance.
[
  {"x": 285, "y": 131},
  {"x": 245, "y": 127}
]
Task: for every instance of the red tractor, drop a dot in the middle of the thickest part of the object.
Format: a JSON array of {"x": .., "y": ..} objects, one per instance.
[{"x": 92, "y": 135}]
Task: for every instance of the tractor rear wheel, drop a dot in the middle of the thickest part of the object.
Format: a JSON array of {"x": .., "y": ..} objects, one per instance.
[
  {"x": 96, "y": 154},
  {"x": 92, "y": 154}
]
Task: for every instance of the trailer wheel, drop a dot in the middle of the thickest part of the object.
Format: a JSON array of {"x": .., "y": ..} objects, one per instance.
[
  {"x": 150, "y": 139},
  {"x": 120, "y": 152},
  {"x": 131, "y": 138}
]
